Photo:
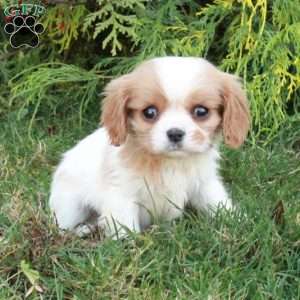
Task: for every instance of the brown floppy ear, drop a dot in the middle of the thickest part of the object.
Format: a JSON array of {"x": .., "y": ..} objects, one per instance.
[
  {"x": 236, "y": 116},
  {"x": 114, "y": 112}
]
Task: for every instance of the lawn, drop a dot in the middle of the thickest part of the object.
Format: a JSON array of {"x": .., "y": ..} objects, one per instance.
[
  {"x": 251, "y": 255},
  {"x": 49, "y": 100}
]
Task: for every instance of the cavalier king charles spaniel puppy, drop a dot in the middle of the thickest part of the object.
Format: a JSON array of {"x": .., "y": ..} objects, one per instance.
[{"x": 157, "y": 151}]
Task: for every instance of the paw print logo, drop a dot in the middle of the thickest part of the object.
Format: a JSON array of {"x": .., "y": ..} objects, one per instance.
[{"x": 24, "y": 31}]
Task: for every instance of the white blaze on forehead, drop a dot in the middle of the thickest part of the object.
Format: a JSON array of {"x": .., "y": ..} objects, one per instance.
[{"x": 179, "y": 76}]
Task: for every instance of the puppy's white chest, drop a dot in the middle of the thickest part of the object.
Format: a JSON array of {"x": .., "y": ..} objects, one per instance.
[{"x": 165, "y": 196}]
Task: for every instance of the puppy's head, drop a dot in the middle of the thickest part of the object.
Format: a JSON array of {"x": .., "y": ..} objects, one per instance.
[{"x": 175, "y": 106}]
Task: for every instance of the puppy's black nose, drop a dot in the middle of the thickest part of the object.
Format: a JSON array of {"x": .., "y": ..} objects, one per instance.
[{"x": 175, "y": 135}]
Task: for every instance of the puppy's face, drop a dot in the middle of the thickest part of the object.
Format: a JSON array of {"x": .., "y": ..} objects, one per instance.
[{"x": 175, "y": 106}]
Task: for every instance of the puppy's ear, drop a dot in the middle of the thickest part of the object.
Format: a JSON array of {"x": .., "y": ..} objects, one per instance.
[
  {"x": 114, "y": 112},
  {"x": 236, "y": 116}
]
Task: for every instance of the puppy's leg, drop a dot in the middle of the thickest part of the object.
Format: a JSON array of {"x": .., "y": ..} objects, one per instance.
[
  {"x": 211, "y": 195},
  {"x": 67, "y": 207},
  {"x": 118, "y": 216}
]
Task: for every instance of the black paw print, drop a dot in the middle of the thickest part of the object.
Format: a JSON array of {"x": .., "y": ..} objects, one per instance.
[{"x": 24, "y": 31}]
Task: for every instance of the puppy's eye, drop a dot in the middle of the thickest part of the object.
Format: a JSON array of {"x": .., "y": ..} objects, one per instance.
[
  {"x": 200, "y": 111},
  {"x": 150, "y": 112}
]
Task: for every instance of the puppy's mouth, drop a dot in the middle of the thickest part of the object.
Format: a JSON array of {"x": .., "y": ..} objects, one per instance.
[
  {"x": 182, "y": 150},
  {"x": 175, "y": 150},
  {"x": 172, "y": 147}
]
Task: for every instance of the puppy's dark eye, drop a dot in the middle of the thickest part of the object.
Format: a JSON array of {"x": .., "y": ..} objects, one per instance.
[
  {"x": 150, "y": 112},
  {"x": 200, "y": 111}
]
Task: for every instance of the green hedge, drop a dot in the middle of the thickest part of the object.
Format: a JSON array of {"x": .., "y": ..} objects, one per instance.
[{"x": 89, "y": 42}]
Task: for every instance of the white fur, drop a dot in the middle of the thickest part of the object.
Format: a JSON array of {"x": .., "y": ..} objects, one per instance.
[
  {"x": 80, "y": 184},
  {"x": 179, "y": 75},
  {"x": 93, "y": 176}
]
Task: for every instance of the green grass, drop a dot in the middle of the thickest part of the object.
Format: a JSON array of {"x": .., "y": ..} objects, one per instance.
[{"x": 253, "y": 257}]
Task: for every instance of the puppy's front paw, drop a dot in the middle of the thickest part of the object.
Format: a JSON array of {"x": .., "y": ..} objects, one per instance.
[
  {"x": 225, "y": 204},
  {"x": 84, "y": 229},
  {"x": 233, "y": 209},
  {"x": 116, "y": 229}
]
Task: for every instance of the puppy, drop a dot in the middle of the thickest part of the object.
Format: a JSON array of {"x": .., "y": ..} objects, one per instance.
[{"x": 157, "y": 150}]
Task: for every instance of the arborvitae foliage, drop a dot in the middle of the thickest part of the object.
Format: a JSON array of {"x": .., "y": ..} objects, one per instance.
[
  {"x": 64, "y": 24},
  {"x": 259, "y": 40},
  {"x": 116, "y": 18}
]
